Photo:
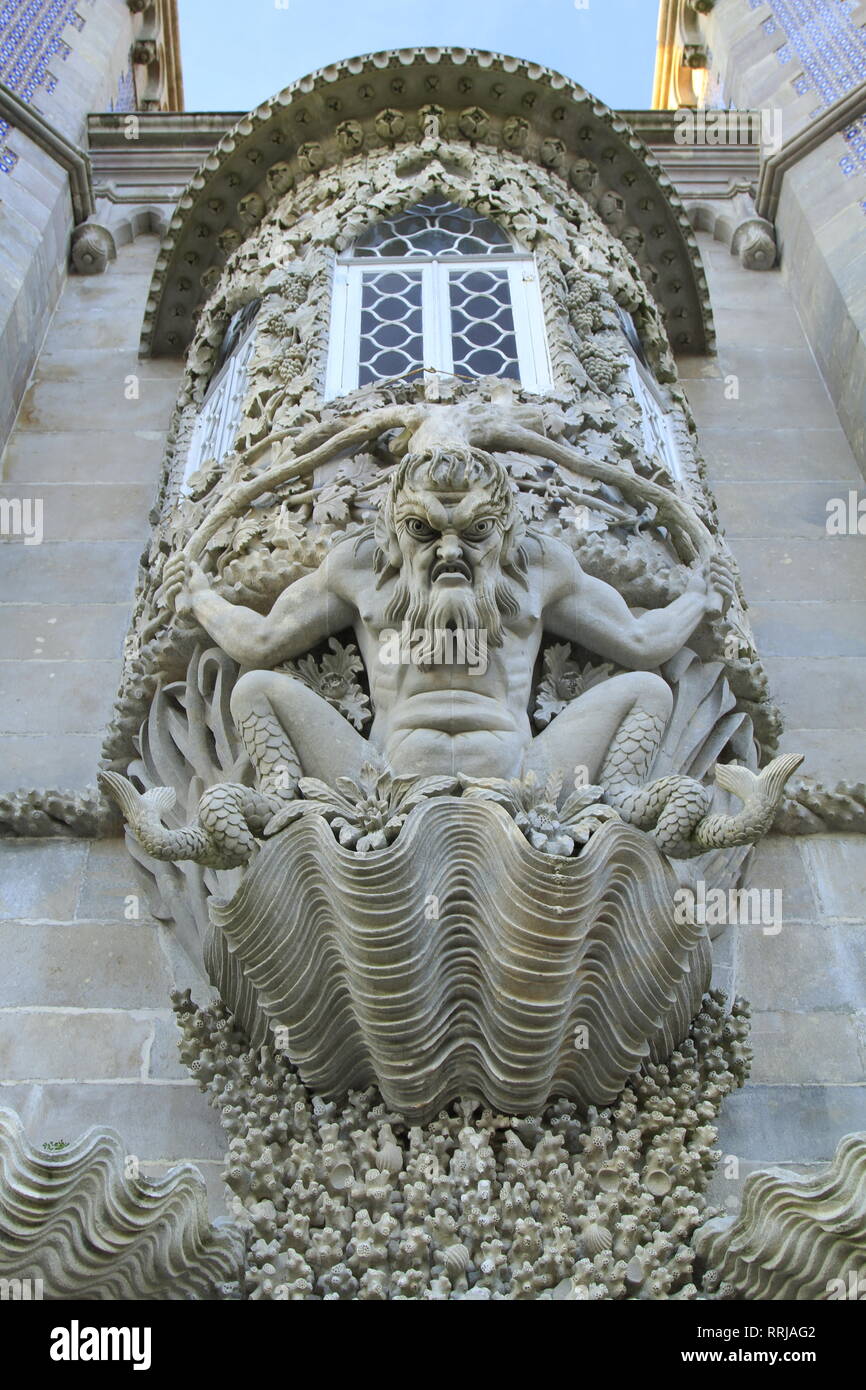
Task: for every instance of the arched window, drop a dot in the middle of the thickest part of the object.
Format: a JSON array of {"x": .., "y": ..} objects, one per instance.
[
  {"x": 440, "y": 288},
  {"x": 217, "y": 423},
  {"x": 658, "y": 435}
]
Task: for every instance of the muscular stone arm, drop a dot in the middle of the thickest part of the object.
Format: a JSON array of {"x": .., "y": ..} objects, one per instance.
[
  {"x": 595, "y": 615},
  {"x": 305, "y": 612}
]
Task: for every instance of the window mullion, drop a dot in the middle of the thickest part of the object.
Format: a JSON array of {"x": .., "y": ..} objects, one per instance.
[
  {"x": 525, "y": 307},
  {"x": 351, "y": 355},
  {"x": 444, "y": 346}
]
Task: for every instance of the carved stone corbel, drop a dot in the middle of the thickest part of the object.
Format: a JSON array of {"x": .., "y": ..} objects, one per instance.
[
  {"x": 91, "y": 248},
  {"x": 733, "y": 220}
]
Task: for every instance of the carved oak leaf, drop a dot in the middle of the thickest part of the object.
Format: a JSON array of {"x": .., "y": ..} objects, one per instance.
[
  {"x": 334, "y": 679},
  {"x": 365, "y": 469},
  {"x": 563, "y": 680},
  {"x": 286, "y": 528},
  {"x": 332, "y": 503},
  {"x": 521, "y": 467},
  {"x": 532, "y": 505},
  {"x": 246, "y": 533},
  {"x": 597, "y": 446}
]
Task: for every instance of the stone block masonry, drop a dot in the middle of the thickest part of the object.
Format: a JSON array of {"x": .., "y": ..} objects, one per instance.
[
  {"x": 87, "y": 1035},
  {"x": 88, "y": 442}
]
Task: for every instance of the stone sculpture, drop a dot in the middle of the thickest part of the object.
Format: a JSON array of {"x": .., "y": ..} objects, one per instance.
[
  {"x": 448, "y": 593},
  {"x": 436, "y": 689},
  {"x": 795, "y": 1237},
  {"x": 450, "y": 570},
  {"x": 75, "y": 1220}
]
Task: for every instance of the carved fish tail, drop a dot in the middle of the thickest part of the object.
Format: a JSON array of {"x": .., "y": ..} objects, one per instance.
[
  {"x": 222, "y": 839},
  {"x": 761, "y": 796},
  {"x": 627, "y": 764},
  {"x": 272, "y": 755}
]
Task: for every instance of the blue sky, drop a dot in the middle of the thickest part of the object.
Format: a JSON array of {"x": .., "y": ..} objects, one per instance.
[{"x": 236, "y": 53}]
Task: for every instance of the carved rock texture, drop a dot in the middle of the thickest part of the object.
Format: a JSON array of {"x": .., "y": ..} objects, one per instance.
[
  {"x": 460, "y": 960},
  {"x": 47, "y": 813},
  {"x": 812, "y": 808},
  {"x": 75, "y": 1220},
  {"x": 793, "y": 1235},
  {"x": 354, "y": 1202}
]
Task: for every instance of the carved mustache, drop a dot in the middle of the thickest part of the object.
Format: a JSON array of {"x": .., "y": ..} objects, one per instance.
[{"x": 450, "y": 567}]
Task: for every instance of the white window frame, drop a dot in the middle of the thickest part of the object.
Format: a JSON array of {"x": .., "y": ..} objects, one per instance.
[
  {"x": 344, "y": 349},
  {"x": 217, "y": 424},
  {"x": 658, "y": 435}
]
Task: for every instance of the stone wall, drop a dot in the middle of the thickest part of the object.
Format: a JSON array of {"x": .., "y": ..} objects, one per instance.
[
  {"x": 798, "y": 64},
  {"x": 87, "y": 1035},
  {"x": 83, "y": 72},
  {"x": 91, "y": 449},
  {"x": 775, "y": 455}
]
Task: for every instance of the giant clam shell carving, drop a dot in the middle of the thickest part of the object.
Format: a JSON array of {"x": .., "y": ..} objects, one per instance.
[
  {"x": 76, "y": 1221},
  {"x": 795, "y": 1238},
  {"x": 461, "y": 961}
]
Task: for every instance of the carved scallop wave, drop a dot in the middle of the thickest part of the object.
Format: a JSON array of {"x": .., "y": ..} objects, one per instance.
[
  {"x": 461, "y": 961},
  {"x": 793, "y": 1236},
  {"x": 75, "y": 1220}
]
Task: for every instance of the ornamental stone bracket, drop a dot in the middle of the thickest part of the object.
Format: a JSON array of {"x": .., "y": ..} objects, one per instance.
[
  {"x": 154, "y": 55},
  {"x": 735, "y": 222},
  {"x": 141, "y": 163},
  {"x": 92, "y": 247},
  {"x": 385, "y": 101}
]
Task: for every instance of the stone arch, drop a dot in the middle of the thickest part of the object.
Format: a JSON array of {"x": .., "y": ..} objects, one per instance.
[{"x": 381, "y": 103}]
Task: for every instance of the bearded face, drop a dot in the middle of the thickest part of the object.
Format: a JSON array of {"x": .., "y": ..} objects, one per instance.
[{"x": 452, "y": 529}]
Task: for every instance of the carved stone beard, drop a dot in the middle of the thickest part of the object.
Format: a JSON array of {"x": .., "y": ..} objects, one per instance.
[{"x": 480, "y": 608}]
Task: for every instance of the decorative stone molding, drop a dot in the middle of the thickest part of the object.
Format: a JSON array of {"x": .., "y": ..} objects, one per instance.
[
  {"x": 72, "y": 1218},
  {"x": 137, "y": 183},
  {"x": 70, "y": 158},
  {"x": 155, "y": 55},
  {"x": 92, "y": 247},
  {"x": 794, "y": 1238},
  {"x": 714, "y": 159},
  {"x": 813, "y": 808},
  {"x": 514, "y": 101},
  {"x": 819, "y": 129}
]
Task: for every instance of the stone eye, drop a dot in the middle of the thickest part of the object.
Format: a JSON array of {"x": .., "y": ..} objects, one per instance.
[
  {"x": 480, "y": 529},
  {"x": 418, "y": 528}
]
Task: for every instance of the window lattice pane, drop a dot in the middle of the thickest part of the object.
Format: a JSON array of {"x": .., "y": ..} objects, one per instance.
[
  {"x": 482, "y": 324},
  {"x": 392, "y": 340},
  {"x": 434, "y": 227}
]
